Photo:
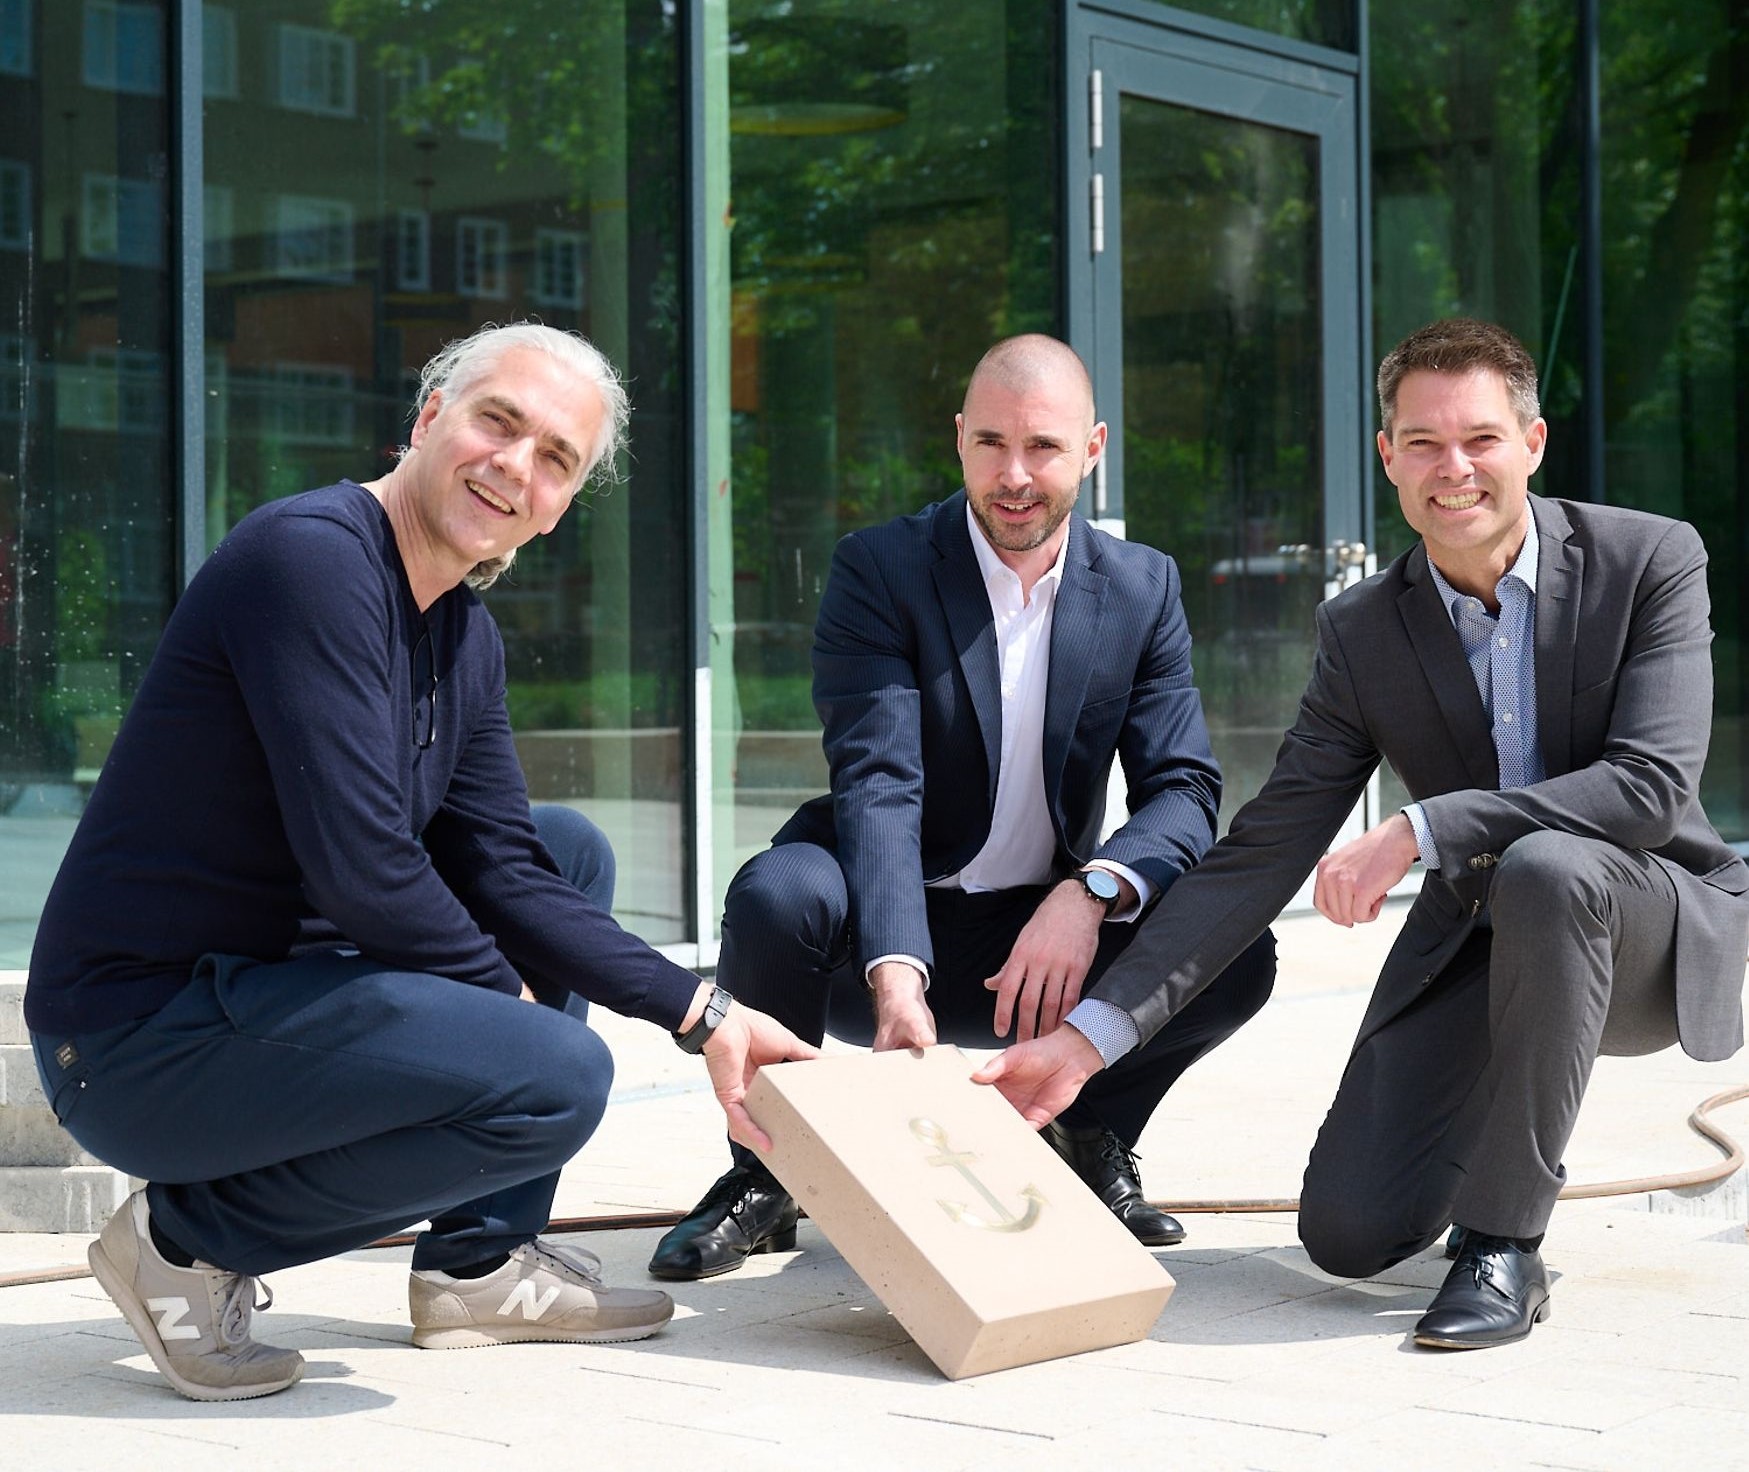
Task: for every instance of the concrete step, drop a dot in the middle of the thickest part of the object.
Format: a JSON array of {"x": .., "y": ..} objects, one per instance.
[
  {"x": 29, "y": 1132},
  {"x": 33, "y": 1137},
  {"x": 68, "y": 1198},
  {"x": 12, "y": 1008},
  {"x": 20, "y": 1088}
]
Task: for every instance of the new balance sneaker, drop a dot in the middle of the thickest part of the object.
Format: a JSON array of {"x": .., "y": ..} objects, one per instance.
[
  {"x": 194, "y": 1322},
  {"x": 545, "y": 1294}
]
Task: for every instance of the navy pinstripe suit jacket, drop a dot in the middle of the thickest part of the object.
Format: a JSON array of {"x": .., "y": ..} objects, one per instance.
[{"x": 906, "y": 682}]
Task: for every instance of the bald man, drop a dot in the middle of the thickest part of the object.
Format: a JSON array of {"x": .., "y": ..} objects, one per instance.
[{"x": 977, "y": 668}]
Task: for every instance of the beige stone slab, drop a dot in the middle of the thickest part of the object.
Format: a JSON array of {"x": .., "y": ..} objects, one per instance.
[{"x": 989, "y": 1251}]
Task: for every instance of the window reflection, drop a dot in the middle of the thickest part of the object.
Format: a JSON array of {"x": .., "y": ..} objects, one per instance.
[
  {"x": 1323, "y": 22},
  {"x": 894, "y": 187},
  {"x": 387, "y": 189},
  {"x": 1676, "y": 303},
  {"x": 86, "y": 547},
  {"x": 1475, "y": 169}
]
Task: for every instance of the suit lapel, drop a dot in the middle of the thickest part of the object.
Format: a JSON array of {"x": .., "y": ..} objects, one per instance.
[
  {"x": 1441, "y": 654},
  {"x": 1075, "y": 644},
  {"x": 1560, "y": 574},
  {"x": 959, "y": 584}
]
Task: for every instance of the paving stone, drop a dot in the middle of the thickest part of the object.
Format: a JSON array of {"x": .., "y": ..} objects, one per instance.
[{"x": 72, "y": 1198}]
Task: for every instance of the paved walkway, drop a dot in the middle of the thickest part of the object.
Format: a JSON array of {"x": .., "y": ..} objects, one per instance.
[{"x": 1259, "y": 1361}]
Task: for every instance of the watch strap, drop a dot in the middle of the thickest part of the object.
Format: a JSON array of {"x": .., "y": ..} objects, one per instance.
[{"x": 716, "y": 1007}]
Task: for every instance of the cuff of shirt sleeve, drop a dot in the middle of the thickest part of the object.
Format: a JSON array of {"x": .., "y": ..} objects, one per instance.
[
  {"x": 868, "y": 970},
  {"x": 1144, "y": 890},
  {"x": 1429, "y": 851},
  {"x": 1108, "y": 1027}
]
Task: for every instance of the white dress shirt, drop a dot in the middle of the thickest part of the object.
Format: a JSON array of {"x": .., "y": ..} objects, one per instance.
[{"x": 1022, "y": 843}]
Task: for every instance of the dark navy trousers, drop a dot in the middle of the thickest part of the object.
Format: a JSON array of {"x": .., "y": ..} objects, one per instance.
[
  {"x": 787, "y": 950},
  {"x": 289, "y": 1111}
]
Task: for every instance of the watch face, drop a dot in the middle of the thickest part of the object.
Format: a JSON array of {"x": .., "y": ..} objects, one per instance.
[{"x": 1101, "y": 885}]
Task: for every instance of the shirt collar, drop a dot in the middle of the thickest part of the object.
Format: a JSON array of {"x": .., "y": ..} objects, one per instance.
[
  {"x": 993, "y": 567},
  {"x": 1523, "y": 568}
]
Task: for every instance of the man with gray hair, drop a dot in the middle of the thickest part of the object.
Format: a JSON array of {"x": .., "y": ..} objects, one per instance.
[{"x": 285, "y": 971}]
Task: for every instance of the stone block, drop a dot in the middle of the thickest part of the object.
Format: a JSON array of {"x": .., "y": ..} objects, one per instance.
[
  {"x": 73, "y": 1198},
  {"x": 20, "y": 1087},
  {"x": 35, "y": 1137},
  {"x": 988, "y": 1250},
  {"x": 12, "y": 1028}
]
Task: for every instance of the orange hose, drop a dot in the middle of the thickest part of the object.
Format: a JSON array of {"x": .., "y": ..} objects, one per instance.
[{"x": 1700, "y": 1121}]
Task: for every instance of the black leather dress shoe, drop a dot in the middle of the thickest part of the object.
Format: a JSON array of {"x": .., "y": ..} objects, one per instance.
[
  {"x": 1108, "y": 1166},
  {"x": 745, "y": 1212},
  {"x": 1493, "y": 1294}
]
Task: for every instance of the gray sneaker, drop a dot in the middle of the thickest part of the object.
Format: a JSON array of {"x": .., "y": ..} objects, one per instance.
[
  {"x": 545, "y": 1294},
  {"x": 194, "y": 1322}
]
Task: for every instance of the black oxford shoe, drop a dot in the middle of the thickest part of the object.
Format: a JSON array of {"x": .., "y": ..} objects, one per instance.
[
  {"x": 745, "y": 1212},
  {"x": 1108, "y": 1166},
  {"x": 1495, "y": 1292}
]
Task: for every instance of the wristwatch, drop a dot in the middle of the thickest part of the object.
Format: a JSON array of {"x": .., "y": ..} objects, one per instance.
[
  {"x": 1102, "y": 885},
  {"x": 696, "y": 1036}
]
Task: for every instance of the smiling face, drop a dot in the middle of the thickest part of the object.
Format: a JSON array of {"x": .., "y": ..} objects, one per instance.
[
  {"x": 495, "y": 462},
  {"x": 1461, "y": 462},
  {"x": 1025, "y": 449}
]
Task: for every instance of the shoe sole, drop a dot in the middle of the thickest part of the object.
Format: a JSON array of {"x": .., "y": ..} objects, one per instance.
[
  {"x": 784, "y": 1241},
  {"x": 1433, "y": 1341},
  {"x": 462, "y": 1337},
  {"x": 122, "y": 1295}
]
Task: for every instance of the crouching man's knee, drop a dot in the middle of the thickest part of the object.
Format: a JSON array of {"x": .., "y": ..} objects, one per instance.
[{"x": 1347, "y": 1242}]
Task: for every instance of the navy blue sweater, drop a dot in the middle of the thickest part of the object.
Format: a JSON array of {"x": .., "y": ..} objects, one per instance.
[{"x": 266, "y": 795}]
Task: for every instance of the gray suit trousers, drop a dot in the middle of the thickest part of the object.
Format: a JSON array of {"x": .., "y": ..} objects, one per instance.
[{"x": 1459, "y": 1108}]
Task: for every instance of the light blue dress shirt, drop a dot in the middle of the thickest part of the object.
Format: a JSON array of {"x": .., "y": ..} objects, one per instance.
[{"x": 1501, "y": 649}]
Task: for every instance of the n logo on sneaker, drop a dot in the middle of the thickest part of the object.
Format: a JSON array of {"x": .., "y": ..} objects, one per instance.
[
  {"x": 170, "y": 1311},
  {"x": 523, "y": 1296}
]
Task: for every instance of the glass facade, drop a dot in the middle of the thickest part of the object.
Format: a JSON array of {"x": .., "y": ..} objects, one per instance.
[
  {"x": 894, "y": 214},
  {"x": 1222, "y": 405},
  {"x": 87, "y": 530},
  {"x": 871, "y": 195},
  {"x": 370, "y": 195},
  {"x": 1478, "y": 165},
  {"x": 1674, "y": 109}
]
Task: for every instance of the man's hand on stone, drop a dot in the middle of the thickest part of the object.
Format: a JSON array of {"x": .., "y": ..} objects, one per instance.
[
  {"x": 1354, "y": 879},
  {"x": 902, "y": 1016},
  {"x": 1041, "y": 981},
  {"x": 1041, "y": 1078},
  {"x": 744, "y": 1041}
]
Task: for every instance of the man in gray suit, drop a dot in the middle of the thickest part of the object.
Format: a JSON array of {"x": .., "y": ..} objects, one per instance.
[
  {"x": 1537, "y": 674},
  {"x": 978, "y": 666}
]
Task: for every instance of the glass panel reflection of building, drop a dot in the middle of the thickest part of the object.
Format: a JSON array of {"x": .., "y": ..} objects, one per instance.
[
  {"x": 86, "y": 531},
  {"x": 894, "y": 214},
  {"x": 387, "y": 191}
]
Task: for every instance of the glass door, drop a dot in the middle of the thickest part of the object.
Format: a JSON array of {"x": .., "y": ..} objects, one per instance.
[{"x": 1222, "y": 321}]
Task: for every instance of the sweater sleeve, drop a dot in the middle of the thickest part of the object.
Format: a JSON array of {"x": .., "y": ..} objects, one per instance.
[
  {"x": 484, "y": 844},
  {"x": 308, "y": 639}
]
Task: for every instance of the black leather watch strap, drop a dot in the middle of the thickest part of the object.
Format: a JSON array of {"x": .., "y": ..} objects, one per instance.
[{"x": 716, "y": 1008}]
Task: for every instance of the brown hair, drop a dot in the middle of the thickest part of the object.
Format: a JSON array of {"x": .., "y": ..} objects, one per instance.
[{"x": 1460, "y": 345}]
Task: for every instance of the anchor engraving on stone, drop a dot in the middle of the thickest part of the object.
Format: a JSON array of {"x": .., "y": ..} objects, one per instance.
[{"x": 930, "y": 1133}]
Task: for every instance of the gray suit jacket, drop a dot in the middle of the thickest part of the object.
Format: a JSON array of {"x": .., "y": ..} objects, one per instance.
[{"x": 1624, "y": 704}]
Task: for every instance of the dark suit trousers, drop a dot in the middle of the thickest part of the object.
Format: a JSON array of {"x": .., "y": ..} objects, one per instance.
[
  {"x": 787, "y": 951},
  {"x": 1458, "y": 1109}
]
